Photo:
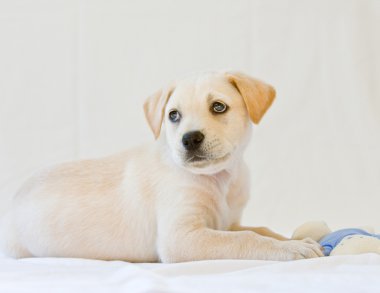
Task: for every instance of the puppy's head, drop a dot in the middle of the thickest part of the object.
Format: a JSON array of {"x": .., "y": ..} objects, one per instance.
[{"x": 206, "y": 119}]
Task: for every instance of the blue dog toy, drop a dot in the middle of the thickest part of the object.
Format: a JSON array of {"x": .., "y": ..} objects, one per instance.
[
  {"x": 330, "y": 241},
  {"x": 341, "y": 242}
]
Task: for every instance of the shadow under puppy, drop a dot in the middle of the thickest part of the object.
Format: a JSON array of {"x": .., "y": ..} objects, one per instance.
[{"x": 179, "y": 198}]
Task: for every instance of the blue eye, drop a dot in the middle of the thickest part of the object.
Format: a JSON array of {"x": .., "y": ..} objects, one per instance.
[
  {"x": 219, "y": 107},
  {"x": 174, "y": 116}
]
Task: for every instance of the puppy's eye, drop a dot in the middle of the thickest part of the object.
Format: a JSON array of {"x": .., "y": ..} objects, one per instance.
[
  {"x": 174, "y": 116},
  {"x": 219, "y": 107}
]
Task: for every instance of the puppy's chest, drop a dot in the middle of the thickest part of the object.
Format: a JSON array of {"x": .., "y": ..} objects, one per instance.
[
  {"x": 229, "y": 205},
  {"x": 224, "y": 216}
]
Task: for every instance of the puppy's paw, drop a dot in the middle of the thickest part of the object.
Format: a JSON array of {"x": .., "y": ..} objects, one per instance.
[{"x": 300, "y": 249}]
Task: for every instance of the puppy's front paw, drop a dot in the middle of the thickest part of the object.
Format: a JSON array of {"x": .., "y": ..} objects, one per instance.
[{"x": 300, "y": 249}]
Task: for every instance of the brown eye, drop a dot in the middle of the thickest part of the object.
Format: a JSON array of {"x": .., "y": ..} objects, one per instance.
[
  {"x": 174, "y": 116},
  {"x": 219, "y": 107}
]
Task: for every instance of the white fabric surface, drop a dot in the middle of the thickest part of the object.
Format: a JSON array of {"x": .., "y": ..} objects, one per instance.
[{"x": 360, "y": 273}]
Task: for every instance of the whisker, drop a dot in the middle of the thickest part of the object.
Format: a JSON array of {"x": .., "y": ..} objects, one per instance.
[
  {"x": 200, "y": 156},
  {"x": 190, "y": 159}
]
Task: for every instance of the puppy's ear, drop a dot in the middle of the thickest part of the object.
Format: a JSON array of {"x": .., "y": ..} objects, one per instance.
[
  {"x": 257, "y": 95},
  {"x": 154, "y": 108}
]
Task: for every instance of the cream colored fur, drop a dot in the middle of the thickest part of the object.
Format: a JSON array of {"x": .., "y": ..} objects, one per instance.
[{"x": 149, "y": 203}]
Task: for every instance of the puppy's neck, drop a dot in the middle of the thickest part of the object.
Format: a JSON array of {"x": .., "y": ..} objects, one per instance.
[
  {"x": 224, "y": 176},
  {"x": 223, "y": 179}
]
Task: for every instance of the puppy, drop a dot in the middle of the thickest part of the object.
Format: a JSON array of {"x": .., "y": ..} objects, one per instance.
[{"x": 177, "y": 199}]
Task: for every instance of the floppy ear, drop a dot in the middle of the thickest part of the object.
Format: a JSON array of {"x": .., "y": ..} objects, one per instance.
[
  {"x": 154, "y": 108},
  {"x": 257, "y": 95}
]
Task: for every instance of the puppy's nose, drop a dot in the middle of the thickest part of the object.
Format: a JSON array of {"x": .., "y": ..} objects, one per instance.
[{"x": 192, "y": 140}]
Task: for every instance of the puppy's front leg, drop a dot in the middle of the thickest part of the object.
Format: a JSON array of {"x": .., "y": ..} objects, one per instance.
[
  {"x": 259, "y": 230},
  {"x": 187, "y": 235},
  {"x": 205, "y": 243}
]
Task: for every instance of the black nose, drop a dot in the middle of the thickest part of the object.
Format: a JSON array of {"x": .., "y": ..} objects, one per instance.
[{"x": 192, "y": 140}]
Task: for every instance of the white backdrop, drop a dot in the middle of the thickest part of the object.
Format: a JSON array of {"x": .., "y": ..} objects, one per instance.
[{"x": 74, "y": 74}]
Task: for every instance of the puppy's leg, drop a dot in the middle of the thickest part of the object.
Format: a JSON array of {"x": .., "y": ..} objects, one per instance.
[
  {"x": 203, "y": 244},
  {"x": 186, "y": 234},
  {"x": 259, "y": 230}
]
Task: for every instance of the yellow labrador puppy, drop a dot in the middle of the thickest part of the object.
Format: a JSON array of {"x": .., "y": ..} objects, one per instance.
[{"x": 177, "y": 199}]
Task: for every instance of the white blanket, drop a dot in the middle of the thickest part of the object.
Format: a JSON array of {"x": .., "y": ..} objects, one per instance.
[{"x": 360, "y": 273}]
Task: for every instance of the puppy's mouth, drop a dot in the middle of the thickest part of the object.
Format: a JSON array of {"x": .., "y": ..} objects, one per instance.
[{"x": 199, "y": 161}]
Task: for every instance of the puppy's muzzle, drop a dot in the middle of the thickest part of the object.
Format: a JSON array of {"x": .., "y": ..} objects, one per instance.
[{"x": 192, "y": 140}]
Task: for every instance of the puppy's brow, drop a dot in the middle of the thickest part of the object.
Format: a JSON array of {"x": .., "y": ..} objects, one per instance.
[{"x": 215, "y": 96}]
